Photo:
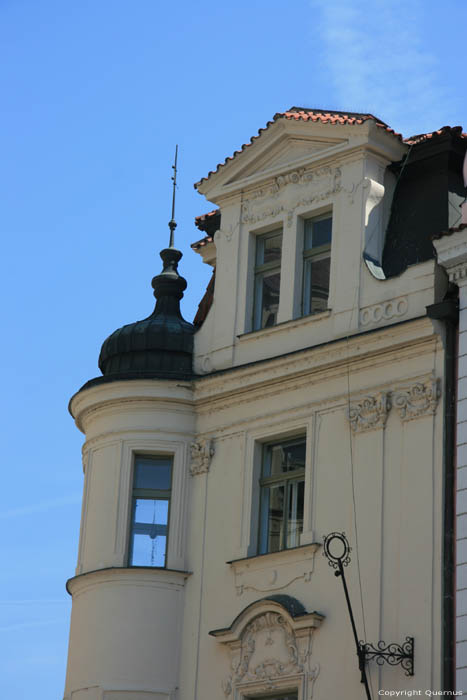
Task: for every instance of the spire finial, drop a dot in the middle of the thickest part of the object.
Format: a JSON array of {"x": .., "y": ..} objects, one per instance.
[{"x": 172, "y": 222}]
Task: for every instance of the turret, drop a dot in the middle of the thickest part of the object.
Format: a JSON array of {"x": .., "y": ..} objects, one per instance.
[{"x": 138, "y": 421}]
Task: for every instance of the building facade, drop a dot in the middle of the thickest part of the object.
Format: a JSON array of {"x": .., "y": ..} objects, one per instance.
[{"x": 314, "y": 394}]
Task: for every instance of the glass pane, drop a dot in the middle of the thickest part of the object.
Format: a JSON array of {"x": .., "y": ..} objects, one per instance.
[
  {"x": 268, "y": 248},
  {"x": 152, "y": 473},
  {"x": 275, "y": 518},
  {"x": 270, "y": 298},
  {"x": 316, "y": 284},
  {"x": 296, "y": 490},
  {"x": 283, "y": 458},
  {"x": 149, "y": 532},
  {"x": 317, "y": 232}
]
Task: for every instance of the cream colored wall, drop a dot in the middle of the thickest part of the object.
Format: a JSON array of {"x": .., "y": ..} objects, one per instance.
[
  {"x": 125, "y": 632},
  {"x": 397, "y": 467},
  {"x": 351, "y": 180},
  {"x": 144, "y": 633}
]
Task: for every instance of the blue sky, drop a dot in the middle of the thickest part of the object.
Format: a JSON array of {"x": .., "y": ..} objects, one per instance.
[{"x": 94, "y": 97}]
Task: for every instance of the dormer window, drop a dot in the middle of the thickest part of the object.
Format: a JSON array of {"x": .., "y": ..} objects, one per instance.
[
  {"x": 316, "y": 263},
  {"x": 267, "y": 279}
]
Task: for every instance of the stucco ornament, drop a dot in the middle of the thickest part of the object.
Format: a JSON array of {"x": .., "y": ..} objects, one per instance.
[
  {"x": 385, "y": 311},
  {"x": 276, "y": 571},
  {"x": 270, "y": 651},
  {"x": 369, "y": 413},
  {"x": 417, "y": 400},
  {"x": 303, "y": 187},
  {"x": 201, "y": 454}
]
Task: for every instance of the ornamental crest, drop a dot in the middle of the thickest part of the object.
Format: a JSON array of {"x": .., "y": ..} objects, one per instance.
[
  {"x": 268, "y": 653},
  {"x": 201, "y": 453}
]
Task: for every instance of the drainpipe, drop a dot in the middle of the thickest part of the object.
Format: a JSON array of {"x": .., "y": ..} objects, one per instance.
[{"x": 448, "y": 312}]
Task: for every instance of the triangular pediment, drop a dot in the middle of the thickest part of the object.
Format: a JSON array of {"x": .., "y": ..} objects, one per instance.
[{"x": 286, "y": 153}]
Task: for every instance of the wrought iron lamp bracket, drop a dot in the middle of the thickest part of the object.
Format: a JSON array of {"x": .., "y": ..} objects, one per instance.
[
  {"x": 392, "y": 654},
  {"x": 337, "y": 550}
]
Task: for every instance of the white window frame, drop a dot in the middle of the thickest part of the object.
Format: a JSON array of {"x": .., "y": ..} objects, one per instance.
[
  {"x": 176, "y": 544},
  {"x": 253, "y": 448}
]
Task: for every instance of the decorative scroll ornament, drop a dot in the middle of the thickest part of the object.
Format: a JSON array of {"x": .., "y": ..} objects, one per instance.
[
  {"x": 417, "y": 400},
  {"x": 269, "y": 651},
  {"x": 309, "y": 186},
  {"x": 201, "y": 455},
  {"x": 393, "y": 654},
  {"x": 370, "y": 412}
]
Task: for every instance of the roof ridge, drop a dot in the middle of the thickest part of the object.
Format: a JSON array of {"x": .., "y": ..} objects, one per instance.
[{"x": 299, "y": 114}]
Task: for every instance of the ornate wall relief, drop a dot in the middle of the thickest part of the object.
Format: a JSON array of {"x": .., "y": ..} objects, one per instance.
[
  {"x": 370, "y": 412},
  {"x": 379, "y": 312},
  {"x": 270, "y": 650},
  {"x": 410, "y": 400},
  {"x": 275, "y": 571},
  {"x": 309, "y": 186},
  {"x": 417, "y": 400},
  {"x": 201, "y": 453}
]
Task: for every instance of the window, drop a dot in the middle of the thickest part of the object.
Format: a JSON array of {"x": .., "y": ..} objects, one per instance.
[
  {"x": 316, "y": 264},
  {"x": 150, "y": 513},
  {"x": 267, "y": 279},
  {"x": 281, "y": 500}
]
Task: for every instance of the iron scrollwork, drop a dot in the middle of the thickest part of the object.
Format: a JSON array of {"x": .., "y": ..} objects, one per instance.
[{"x": 393, "y": 654}]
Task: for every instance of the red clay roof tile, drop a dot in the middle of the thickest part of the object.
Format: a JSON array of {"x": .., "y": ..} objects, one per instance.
[{"x": 314, "y": 115}]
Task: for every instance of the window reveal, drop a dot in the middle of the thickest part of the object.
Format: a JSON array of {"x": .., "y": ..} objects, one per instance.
[
  {"x": 267, "y": 279},
  {"x": 150, "y": 513},
  {"x": 316, "y": 264},
  {"x": 282, "y": 487}
]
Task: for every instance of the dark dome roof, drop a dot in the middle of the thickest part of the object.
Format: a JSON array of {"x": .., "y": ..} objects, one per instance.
[{"x": 160, "y": 345}]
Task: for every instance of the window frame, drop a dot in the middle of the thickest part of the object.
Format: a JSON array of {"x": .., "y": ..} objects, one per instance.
[
  {"x": 149, "y": 494},
  {"x": 259, "y": 271},
  {"x": 286, "y": 478},
  {"x": 308, "y": 256}
]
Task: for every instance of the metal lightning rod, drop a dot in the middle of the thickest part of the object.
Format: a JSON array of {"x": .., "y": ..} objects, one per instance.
[{"x": 172, "y": 222}]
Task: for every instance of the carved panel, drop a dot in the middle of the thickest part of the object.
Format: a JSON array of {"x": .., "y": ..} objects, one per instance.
[
  {"x": 370, "y": 412},
  {"x": 270, "y": 652},
  {"x": 201, "y": 453},
  {"x": 385, "y": 311},
  {"x": 417, "y": 400},
  {"x": 274, "y": 572},
  {"x": 309, "y": 186}
]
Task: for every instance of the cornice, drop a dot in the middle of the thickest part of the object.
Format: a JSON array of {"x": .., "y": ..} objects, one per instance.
[
  {"x": 138, "y": 575},
  {"x": 405, "y": 339},
  {"x": 117, "y": 396},
  {"x": 452, "y": 255}
]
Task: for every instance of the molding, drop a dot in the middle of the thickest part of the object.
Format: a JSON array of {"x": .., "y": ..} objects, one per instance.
[
  {"x": 452, "y": 255},
  {"x": 275, "y": 571},
  {"x": 132, "y": 575},
  {"x": 395, "y": 308},
  {"x": 419, "y": 399},
  {"x": 398, "y": 341},
  {"x": 201, "y": 453},
  {"x": 270, "y": 650},
  {"x": 167, "y": 394},
  {"x": 370, "y": 412},
  {"x": 265, "y": 202}
]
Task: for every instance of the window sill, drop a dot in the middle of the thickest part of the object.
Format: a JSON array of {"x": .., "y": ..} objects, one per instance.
[
  {"x": 292, "y": 323},
  {"x": 275, "y": 570}
]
